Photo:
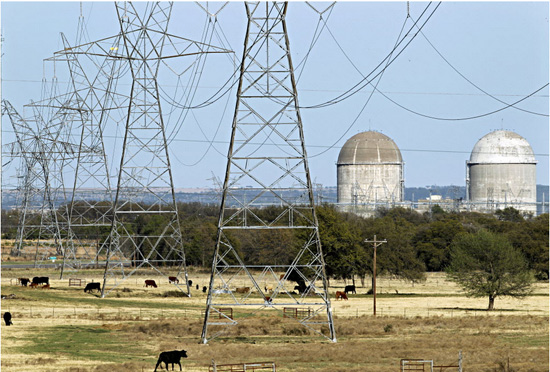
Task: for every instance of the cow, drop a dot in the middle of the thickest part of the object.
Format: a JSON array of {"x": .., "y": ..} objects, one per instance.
[
  {"x": 350, "y": 288},
  {"x": 173, "y": 279},
  {"x": 33, "y": 285},
  {"x": 46, "y": 286},
  {"x": 172, "y": 357},
  {"x": 204, "y": 289},
  {"x": 190, "y": 282},
  {"x": 41, "y": 280},
  {"x": 268, "y": 289},
  {"x": 197, "y": 287},
  {"x": 150, "y": 283},
  {"x": 341, "y": 295},
  {"x": 301, "y": 287},
  {"x": 92, "y": 286},
  {"x": 24, "y": 281},
  {"x": 242, "y": 289},
  {"x": 7, "y": 318}
]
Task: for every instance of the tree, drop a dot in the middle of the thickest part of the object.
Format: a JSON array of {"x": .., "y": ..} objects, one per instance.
[{"x": 486, "y": 264}]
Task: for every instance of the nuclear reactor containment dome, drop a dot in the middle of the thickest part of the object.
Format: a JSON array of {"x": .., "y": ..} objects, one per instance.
[
  {"x": 369, "y": 170},
  {"x": 502, "y": 173}
]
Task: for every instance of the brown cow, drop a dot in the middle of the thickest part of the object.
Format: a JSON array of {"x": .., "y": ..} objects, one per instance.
[
  {"x": 33, "y": 285},
  {"x": 46, "y": 286},
  {"x": 173, "y": 279},
  {"x": 242, "y": 290},
  {"x": 341, "y": 295},
  {"x": 150, "y": 283}
]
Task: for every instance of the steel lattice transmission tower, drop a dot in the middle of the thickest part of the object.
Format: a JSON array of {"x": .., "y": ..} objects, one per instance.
[
  {"x": 145, "y": 189},
  {"x": 39, "y": 219},
  {"x": 267, "y": 166},
  {"x": 94, "y": 99}
]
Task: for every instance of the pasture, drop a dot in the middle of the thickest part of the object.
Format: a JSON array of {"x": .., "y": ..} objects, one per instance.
[{"x": 65, "y": 329}]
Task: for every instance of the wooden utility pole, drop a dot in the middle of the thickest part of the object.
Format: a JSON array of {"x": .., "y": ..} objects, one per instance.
[{"x": 375, "y": 244}]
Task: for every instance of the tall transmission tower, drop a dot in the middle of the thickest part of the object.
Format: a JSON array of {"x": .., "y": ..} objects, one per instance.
[
  {"x": 90, "y": 203},
  {"x": 145, "y": 189},
  {"x": 275, "y": 173},
  {"x": 38, "y": 218}
]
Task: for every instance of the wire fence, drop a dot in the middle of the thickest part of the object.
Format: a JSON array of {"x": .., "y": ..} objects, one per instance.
[{"x": 122, "y": 314}]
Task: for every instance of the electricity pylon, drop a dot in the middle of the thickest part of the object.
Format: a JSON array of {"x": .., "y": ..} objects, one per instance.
[
  {"x": 267, "y": 165},
  {"x": 38, "y": 219},
  {"x": 90, "y": 203},
  {"x": 145, "y": 230}
]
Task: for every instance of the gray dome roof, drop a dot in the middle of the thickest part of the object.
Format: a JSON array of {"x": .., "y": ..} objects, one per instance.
[
  {"x": 502, "y": 147},
  {"x": 369, "y": 147}
]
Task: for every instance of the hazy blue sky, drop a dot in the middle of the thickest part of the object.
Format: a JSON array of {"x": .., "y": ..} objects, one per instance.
[{"x": 502, "y": 47}]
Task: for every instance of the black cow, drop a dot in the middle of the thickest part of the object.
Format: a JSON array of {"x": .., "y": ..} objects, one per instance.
[
  {"x": 41, "y": 280},
  {"x": 172, "y": 357},
  {"x": 204, "y": 289},
  {"x": 7, "y": 318},
  {"x": 92, "y": 286},
  {"x": 24, "y": 281},
  {"x": 350, "y": 288},
  {"x": 197, "y": 287},
  {"x": 190, "y": 282}
]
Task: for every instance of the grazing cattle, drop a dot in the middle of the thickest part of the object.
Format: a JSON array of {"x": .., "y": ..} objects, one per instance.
[
  {"x": 242, "y": 289},
  {"x": 350, "y": 288},
  {"x": 268, "y": 289},
  {"x": 92, "y": 286},
  {"x": 33, "y": 285},
  {"x": 204, "y": 289},
  {"x": 190, "y": 282},
  {"x": 172, "y": 357},
  {"x": 341, "y": 295},
  {"x": 150, "y": 283},
  {"x": 24, "y": 281},
  {"x": 46, "y": 286},
  {"x": 41, "y": 280},
  {"x": 173, "y": 279},
  {"x": 7, "y": 318},
  {"x": 197, "y": 287}
]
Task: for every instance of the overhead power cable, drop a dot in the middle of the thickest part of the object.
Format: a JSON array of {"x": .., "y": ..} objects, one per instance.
[
  {"x": 388, "y": 60},
  {"x": 472, "y": 83}
]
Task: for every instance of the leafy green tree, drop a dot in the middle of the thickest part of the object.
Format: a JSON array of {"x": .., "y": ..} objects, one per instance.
[
  {"x": 340, "y": 235},
  {"x": 509, "y": 214},
  {"x": 433, "y": 241},
  {"x": 398, "y": 256},
  {"x": 485, "y": 264}
]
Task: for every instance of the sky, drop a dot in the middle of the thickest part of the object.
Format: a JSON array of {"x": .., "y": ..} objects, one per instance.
[{"x": 469, "y": 56}]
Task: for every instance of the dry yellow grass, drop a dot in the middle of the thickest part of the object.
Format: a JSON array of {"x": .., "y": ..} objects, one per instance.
[{"x": 67, "y": 330}]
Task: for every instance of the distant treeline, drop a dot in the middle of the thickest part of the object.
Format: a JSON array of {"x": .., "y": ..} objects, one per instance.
[{"x": 416, "y": 242}]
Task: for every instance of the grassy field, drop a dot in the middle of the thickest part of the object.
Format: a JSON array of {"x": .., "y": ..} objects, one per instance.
[{"x": 64, "y": 329}]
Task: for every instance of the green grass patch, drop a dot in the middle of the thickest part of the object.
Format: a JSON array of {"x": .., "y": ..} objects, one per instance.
[
  {"x": 526, "y": 340},
  {"x": 82, "y": 343}
]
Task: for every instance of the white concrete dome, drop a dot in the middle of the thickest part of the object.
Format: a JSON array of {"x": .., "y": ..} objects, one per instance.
[
  {"x": 501, "y": 173},
  {"x": 502, "y": 147},
  {"x": 368, "y": 148}
]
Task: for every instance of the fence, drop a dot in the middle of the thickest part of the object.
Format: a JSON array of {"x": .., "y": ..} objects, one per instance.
[{"x": 242, "y": 367}]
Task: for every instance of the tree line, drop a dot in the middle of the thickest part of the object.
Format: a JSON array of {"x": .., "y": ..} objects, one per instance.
[{"x": 416, "y": 243}]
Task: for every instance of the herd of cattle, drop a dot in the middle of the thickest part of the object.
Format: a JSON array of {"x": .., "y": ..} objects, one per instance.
[
  {"x": 44, "y": 281},
  {"x": 168, "y": 357}
]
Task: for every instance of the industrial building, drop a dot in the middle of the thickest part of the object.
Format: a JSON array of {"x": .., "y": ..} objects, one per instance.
[
  {"x": 369, "y": 173},
  {"x": 501, "y": 173}
]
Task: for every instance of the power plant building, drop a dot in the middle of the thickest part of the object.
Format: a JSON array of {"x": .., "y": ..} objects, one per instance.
[
  {"x": 369, "y": 173},
  {"x": 501, "y": 173}
]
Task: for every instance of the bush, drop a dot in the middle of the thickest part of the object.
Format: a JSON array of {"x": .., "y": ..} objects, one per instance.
[{"x": 388, "y": 328}]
